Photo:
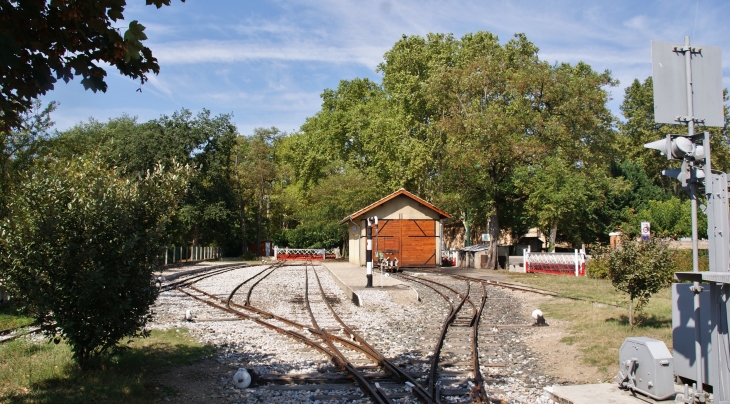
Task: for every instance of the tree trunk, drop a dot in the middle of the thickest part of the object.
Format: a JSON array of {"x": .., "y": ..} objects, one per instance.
[
  {"x": 553, "y": 237},
  {"x": 242, "y": 207},
  {"x": 631, "y": 314},
  {"x": 467, "y": 229},
  {"x": 196, "y": 232},
  {"x": 244, "y": 244},
  {"x": 493, "y": 231},
  {"x": 258, "y": 216}
]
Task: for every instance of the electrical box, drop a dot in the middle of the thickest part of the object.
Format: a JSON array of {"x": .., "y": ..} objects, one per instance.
[
  {"x": 683, "y": 332},
  {"x": 647, "y": 367}
]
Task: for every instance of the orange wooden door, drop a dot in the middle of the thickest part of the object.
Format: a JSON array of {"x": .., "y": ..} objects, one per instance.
[{"x": 418, "y": 243}]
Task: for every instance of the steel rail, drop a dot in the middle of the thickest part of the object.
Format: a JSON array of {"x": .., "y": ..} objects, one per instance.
[
  {"x": 340, "y": 361},
  {"x": 248, "y": 296},
  {"x": 200, "y": 276},
  {"x": 289, "y": 333},
  {"x": 524, "y": 288},
  {"x": 335, "y": 355},
  {"x": 375, "y": 393},
  {"x": 383, "y": 362},
  {"x": 473, "y": 307},
  {"x": 268, "y": 315},
  {"x": 478, "y": 392},
  {"x": 433, "y": 390}
]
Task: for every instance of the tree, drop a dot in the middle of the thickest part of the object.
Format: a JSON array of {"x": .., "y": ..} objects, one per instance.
[
  {"x": 559, "y": 195},
  {"x": 502, "y": 108},
  {"x": 254, "y": 173},
  {"x": 670, "y": 218},
  {"x": 80, "y": 246},
  {"x": 207, "y": 213},
  {"x": 42, "y": 41},
  {"x": 640, "y": 269}
]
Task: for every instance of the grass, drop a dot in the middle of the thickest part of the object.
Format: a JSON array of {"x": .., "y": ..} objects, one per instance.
[
  {"x": 597, "y": 329},
  {"x": 42, "y": 372},
  {"x": 11, "y": 318}
]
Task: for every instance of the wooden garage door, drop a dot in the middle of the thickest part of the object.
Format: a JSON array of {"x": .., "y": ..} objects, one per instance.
[{"x": 418, "y": 240}]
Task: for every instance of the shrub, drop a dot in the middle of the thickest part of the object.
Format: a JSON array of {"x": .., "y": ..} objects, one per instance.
[
  {"x": 79, "y": 248},
  {"x": 640, "y": 269}
]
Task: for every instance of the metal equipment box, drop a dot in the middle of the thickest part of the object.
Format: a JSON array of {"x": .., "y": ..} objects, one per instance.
[
  {"x": 646, "y": 366},
  {"x": 683, "y": 332}
]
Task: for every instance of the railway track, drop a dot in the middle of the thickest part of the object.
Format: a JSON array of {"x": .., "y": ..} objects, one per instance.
[
  {"x": 460, "y": 328},
  {"x": 448, "y": 369},
  {"x": 330, "y": 336}
]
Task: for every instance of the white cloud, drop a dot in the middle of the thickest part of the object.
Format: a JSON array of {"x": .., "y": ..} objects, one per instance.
[{"x": 207, "y": 51}]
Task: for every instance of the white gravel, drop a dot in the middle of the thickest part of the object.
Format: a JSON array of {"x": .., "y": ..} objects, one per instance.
[{"x": 401, "y": 332}]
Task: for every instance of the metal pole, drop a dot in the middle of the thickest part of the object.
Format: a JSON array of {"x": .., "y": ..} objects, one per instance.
[
  {"x": 369, "y": 254},
  {"x": 696, "y": 288}
]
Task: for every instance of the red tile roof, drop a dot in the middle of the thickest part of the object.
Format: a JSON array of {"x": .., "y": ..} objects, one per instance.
[{"x": 395, "y": 194}]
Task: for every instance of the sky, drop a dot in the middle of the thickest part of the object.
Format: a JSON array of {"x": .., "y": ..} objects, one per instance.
[{"x": 267, "y": 63}]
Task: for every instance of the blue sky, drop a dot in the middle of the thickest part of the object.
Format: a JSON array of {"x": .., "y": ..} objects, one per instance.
[{"x": 268, "y": 62}]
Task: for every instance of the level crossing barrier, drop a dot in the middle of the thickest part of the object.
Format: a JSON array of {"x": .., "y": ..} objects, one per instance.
[
  {"x": 291, "y": 254},
  {"x": 573, "y": 264}
]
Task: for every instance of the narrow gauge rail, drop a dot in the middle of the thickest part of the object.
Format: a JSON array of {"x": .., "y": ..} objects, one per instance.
[
  {"x": 328, "y": 338},
  {"x": 191, "y": 279},
  {"x": 460, "y": 315},
  {"x": 523, "y": 288}
]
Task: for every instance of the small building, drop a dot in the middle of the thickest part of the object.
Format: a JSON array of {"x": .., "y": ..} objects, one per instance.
[
  {"x": 475, "y": 256},
  {"x": 409, "y": 230}
]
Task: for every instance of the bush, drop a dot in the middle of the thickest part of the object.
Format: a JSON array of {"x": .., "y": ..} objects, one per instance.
[
  {"x": 597, "y": 268},
  {"x": 79, "y": 248}
]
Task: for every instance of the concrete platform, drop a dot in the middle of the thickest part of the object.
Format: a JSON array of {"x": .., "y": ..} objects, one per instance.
[
  {"x": 352, "y": 279},
  {"x": 604, "y": 393}
]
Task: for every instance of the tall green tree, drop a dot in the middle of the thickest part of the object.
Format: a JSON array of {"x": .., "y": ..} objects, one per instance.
[
  {"x": 208, "y": 212},
  {"x": 503, "y": 108},
  {"x": 255, "y": 173}
]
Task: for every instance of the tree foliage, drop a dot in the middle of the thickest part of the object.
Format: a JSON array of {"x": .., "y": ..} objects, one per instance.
[
  {"x": 19, "y": 147},
  {"x": 43, "y": 41},
  {"x": 80, "y": 245},
  {"x": 208, "y": 212}
]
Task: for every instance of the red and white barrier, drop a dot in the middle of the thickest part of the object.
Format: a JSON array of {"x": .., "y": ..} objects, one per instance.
[{"x": 573, "y": 264}]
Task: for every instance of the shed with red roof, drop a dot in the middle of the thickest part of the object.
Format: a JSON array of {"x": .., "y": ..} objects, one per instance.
[{"x": 409, "y": 230}]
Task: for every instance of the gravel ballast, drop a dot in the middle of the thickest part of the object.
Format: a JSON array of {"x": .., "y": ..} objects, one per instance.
[{"x": 404, "y": 333}]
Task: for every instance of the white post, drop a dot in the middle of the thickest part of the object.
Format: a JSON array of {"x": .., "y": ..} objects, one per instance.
[
  {"x": 276, "y": 253},
  {"x": 575, "y": 262},
  {"x": 526, "y": 258},
  {"x": 166, "y": 255}
]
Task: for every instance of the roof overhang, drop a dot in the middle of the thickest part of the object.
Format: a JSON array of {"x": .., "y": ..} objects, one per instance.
[{"x": 402, "y": 191}]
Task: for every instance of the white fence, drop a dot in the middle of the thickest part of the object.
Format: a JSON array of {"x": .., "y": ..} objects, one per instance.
[
  {"x": 173, "y": 255},
  {"x": 556, "y": 263}
]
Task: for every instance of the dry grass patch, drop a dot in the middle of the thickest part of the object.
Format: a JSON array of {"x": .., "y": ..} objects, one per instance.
[
  {"x": 599, "y": 329},
  {"x": 42, "y": 372},
  {"x": 10, "y": 317}
]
